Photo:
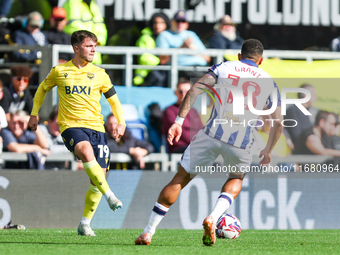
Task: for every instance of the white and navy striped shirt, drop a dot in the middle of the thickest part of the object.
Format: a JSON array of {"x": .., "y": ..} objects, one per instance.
[{"x": 230, "y": 128}]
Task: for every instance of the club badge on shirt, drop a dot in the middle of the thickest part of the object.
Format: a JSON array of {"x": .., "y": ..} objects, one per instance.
[{"x": 90, "y": 76}]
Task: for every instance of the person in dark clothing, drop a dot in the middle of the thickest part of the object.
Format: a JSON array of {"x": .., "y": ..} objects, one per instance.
[
  {"x": 158, "y": 23},
  {"x": 56, "y": 35},
  {"x": 30, "y": 35},
  {"x": 192, "y": 124},
  {"x": 296, "y": 116},
  {"x": 137, "y": 149},
  {"x": 225, "y": 35},
  {"x": 16, "y": 138},
  {"x": 18, "y": 97},
  {"x": 317, "y": 140}
]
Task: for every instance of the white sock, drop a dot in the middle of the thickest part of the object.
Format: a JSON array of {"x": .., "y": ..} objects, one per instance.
[
  {"x": 157, "y": 214},
  {"x": 222, "y": 204},
  {"x": 108, "y": 194},
  {"x": 85, "y": 221}
]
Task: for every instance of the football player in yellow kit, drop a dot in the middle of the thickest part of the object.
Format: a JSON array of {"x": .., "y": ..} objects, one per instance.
[{"x": 80, "y": 84}]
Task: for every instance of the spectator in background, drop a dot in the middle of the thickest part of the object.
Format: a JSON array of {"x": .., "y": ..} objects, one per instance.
[
  {"x": 318, "y": 139},
  {"x": 154, "y": 124},
  {"x": 5, "y": 6},
  {"x": 30, "y": 35},
  {"x": 336, "y": 137},
  {"x": 225, "y": 35},
  {"x": 127, "y": 144},
  {"x": 16, "y": 138},
  {"x": 192, "y": 123},
  {"x": 18, "y": 97},
  {"x": 54, "y": 140},
  {"x": 3, "y": 118},
  {"x": 56, "y": 35},
  {"x": 335, "y": 44},
  {"x": 85, "y": 15},
  {"x": 158, "y": 23},
  {"x": 303, "y": 121},
  {"x": 178, "y": 36}
]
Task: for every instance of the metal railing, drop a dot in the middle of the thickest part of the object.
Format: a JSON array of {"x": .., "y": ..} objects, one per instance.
[
  {"x": 216, "y": 54},
  {"x": 51, "y": 56},
  {"x": 44, "y": 64}
]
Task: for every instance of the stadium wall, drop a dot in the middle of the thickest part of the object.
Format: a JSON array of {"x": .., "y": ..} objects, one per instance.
[{"x": 54, "y": 199}]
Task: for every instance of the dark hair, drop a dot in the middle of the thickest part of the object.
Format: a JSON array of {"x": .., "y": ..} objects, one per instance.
[
  {"x": 79, "y": 36},
  {"x": 53, "y": 113},
  {"x": 252, "y": 48},
  {"x": 21, "y": 71},
  {"x": 182, "y": 80},
  {"x": 161, "y": 15},
  {"x": 322, "y": 115}
]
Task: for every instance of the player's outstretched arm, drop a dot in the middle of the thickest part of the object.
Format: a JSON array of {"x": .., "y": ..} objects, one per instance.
[
  {"x": 175, "y": 131},
  {"x": 117, "y": 111},
  {"x": 194, "y": 92},
  {"x": 39, "y": 97},
  {"x": 274, "y": 135}
]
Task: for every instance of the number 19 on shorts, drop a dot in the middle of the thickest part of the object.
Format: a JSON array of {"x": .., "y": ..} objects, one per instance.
[{"x": 103, "y": 149}]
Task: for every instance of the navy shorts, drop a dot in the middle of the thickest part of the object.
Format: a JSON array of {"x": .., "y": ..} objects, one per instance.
[{"x": 98, "y": 140}]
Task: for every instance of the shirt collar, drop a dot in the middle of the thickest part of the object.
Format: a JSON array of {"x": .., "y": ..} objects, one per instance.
[{"x": 249, "y": 62}]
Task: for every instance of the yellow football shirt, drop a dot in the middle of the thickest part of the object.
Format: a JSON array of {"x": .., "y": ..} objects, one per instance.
[{"x": 79, "y": 93}]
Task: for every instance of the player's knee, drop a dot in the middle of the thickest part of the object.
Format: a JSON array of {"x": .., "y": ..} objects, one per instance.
[{"x": 86, "y": 154}]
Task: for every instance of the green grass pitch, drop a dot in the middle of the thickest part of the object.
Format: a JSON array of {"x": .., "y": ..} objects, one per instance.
[{"x": 66, "y": 241}]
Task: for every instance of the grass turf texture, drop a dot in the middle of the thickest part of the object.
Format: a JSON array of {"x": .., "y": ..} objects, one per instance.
[{"x": 66, "y": 241}]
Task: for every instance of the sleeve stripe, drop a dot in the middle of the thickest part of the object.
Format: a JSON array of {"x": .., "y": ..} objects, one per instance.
[{"x": 110, "y": 92}]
